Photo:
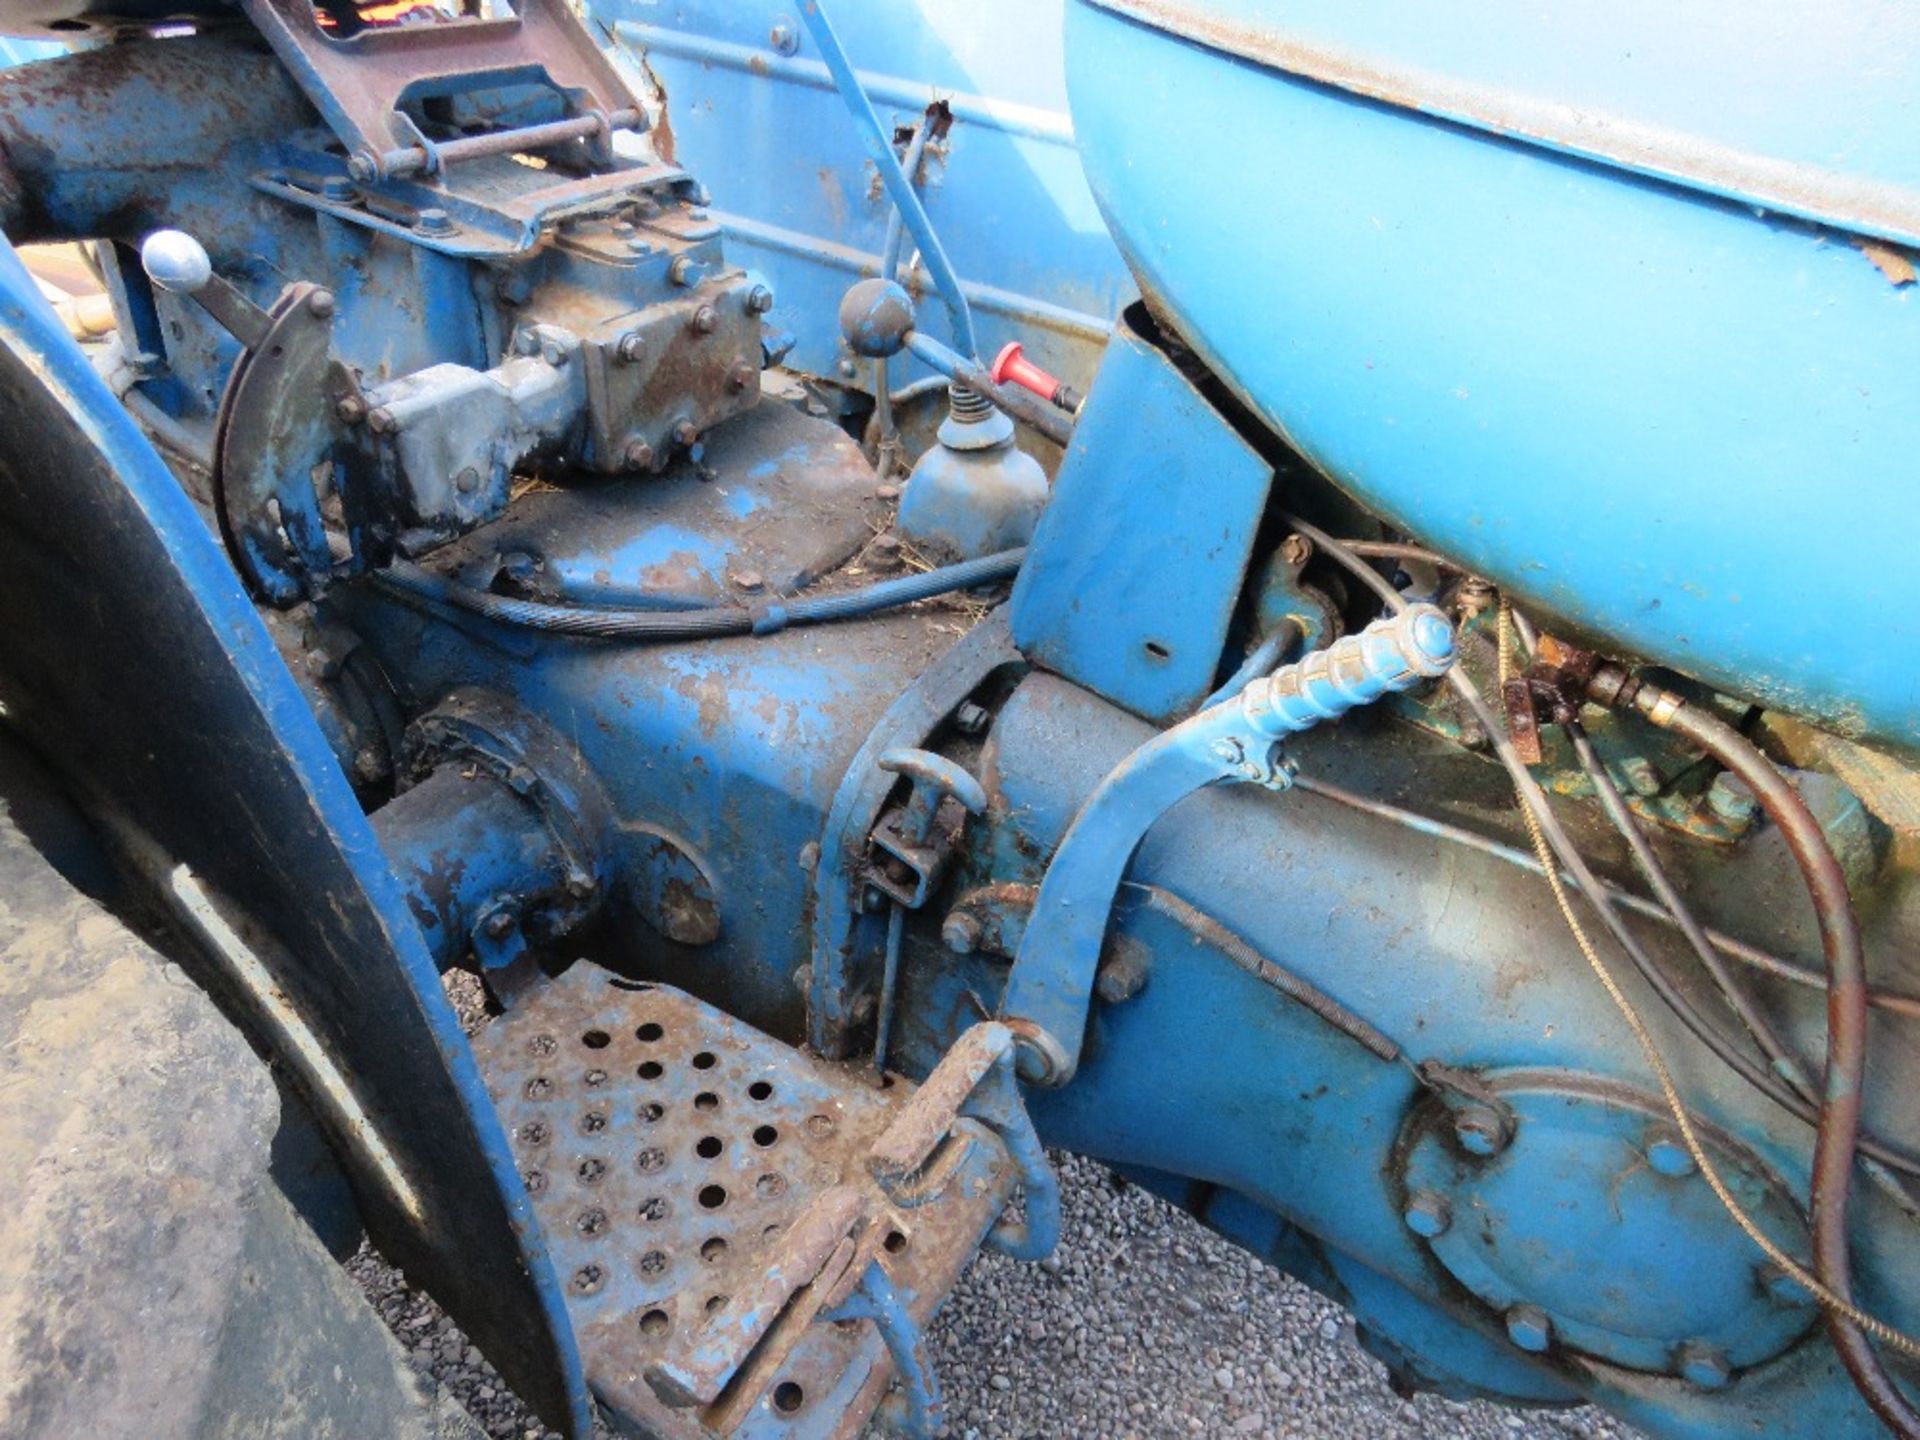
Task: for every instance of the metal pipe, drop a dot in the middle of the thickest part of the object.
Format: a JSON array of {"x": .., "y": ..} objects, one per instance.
[
  {"x": 415, "y": 159},
  {"x": 1784, "y": 1062},
  {"x": 890, "y": 270},
  {"x": 1838, "y": 1135},
  {"x": 1022, "y": 405},
  {"x": 905, "y": 197}
]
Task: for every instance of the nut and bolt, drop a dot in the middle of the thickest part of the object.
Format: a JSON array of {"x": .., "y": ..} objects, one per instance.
[
  {"x": 382, "y": 421},
  {"x": 1481, "y": 1130},
  {"x": 638, "y": 455},
  {"x": 1123, "y": 973},
  {"x": 433, "y": 221},
  {"x": 320, "y": 304},
  {"x": 631, "y": 347},
  {"x": 362, "y": 168},
  {"x": 1227, "y": 750},
  {"x": 1529, "y": 1328},
  {"x": 1702, "y": 1364},
  {"x": 351, "y": 410},
  {"x": 706, "y": 320},
  {"x": 759, "y": 300},
  {"x": 1474, "y": 595},
  {"x": 1731, "y": 799},
  {"x": 1296, "y": 550},
  {"x": 553, "y": 352},
  {"x": 784, "y": 39},
  {"x": 960, "y": 933},
  {"x": 685, "y": 432},
  {"x": 1428, "y": 1213},
  {"x": 683, "y": 270}
]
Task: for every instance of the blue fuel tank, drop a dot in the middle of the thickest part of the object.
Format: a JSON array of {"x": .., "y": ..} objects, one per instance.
[{"x": 1611, "y": 301}]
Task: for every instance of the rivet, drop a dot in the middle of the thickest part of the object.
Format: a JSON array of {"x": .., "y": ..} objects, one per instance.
[{"x": 320, "y": 304}]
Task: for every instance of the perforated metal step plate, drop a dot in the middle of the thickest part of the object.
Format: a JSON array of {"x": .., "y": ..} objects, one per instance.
[{"x": 683, "y": 1166}]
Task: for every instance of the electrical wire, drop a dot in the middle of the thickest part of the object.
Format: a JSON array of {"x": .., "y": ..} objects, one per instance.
[
  {"x": 413, "y": 585},
  {"x": 1549, "y": 839}
]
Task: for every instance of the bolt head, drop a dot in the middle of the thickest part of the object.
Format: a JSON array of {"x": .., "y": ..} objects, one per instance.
[
  {"x": 351, "y": 410},
  {"x": 750, "y": 580},
  {"x": 638, "y": 455},
  {"x": 960, "y": 933},
  {"x": 553, "y": 352},
  {"x": 1227, "y": 750},
  {"x": 1296, "y": 550},
  {"x": 783, "y": 39},
  {"x": 1529, "y": 1328},
  {"x": 685, "y": 432},
  {"x": 320, "y": 304},
  {"x": 1481, "y": 1130},
  {"x": 631, "y": 347},
  {"x": 706, "y": 320},
  {"x": 682, "y": 271},
  {"x": 1668, "y": 1155},
  {"x": 1428, "y": 1213},
  {"x": 362, "y": 168},
  {"x": 1731, "y": 799},
  {"x": 433, "y": 221},
  {"x": 382, "y": 421},
  {"x": 972, "y": 719},
  {"x": 1702, "y": 1364},
  {"x": 759, "y": 300}
]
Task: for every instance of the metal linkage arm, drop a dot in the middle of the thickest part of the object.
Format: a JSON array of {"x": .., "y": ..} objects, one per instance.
[
  {"x": 975, "y": 1080},
  {"x": 1051, "y": 984}
]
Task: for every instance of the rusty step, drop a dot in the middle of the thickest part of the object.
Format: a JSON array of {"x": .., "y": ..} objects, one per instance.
[{"x": 752, "y": 1240}]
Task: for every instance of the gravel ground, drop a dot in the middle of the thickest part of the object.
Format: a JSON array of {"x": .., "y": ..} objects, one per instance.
[{"x": 1143, "y": 1326}]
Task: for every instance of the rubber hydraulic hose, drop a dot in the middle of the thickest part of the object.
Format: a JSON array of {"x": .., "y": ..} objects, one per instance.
[
  {"x": 414, "y": 585},
  {"x": 1838, "y": 1134}
]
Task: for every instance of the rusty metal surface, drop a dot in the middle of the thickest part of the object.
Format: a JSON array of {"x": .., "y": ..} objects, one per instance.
[
  {"x": 358, "y": 84},
  {"x": 707, "y": 1193}
]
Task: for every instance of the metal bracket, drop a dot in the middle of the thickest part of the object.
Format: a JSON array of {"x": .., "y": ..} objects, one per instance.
[{"x": 359, "y": 83}]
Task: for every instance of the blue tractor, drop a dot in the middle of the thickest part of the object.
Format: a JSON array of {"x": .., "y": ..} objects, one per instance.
[{"x": 1285, "y": 598}]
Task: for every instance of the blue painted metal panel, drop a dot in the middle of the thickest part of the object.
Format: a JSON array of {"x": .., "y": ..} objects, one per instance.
[
  {"x": 1004, "y": 189},
  {"x": 1131, "y": 582},
  {"x": 1679, "y": 425}
]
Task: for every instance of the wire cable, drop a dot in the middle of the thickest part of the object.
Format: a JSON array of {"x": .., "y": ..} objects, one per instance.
[
  {"x": 411, "y": 584},
  {"x": 1542, "y": 826}
]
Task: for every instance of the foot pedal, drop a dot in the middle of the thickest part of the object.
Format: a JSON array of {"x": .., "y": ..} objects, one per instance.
[{"x": 752, "y": 1240}]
